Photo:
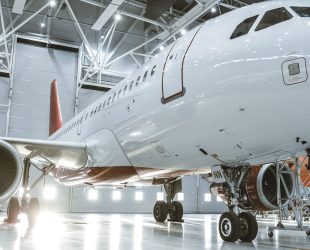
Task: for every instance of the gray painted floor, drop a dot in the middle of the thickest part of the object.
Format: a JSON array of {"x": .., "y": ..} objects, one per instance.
[{"x": 117, "y": 232}]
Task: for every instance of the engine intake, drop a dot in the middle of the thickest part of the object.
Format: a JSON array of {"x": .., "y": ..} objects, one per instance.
[
  {"x": 261, "y": 187},
  {"x": 11, "y": 171}
]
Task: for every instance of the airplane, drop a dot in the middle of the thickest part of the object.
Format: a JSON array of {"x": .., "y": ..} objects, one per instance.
[{"x": 228, "y": 101}]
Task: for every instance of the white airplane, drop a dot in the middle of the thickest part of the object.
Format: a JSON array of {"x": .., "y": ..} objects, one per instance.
[{"x": 228, "y": 100}]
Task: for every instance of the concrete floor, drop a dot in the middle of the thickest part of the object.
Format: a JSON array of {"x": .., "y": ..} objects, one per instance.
[{"x": 117, "y": 232}]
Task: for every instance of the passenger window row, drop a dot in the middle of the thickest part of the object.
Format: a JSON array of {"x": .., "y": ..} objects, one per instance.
[
  {"x": 270, "y": 18},
  {"x": 112, "y": 98}
]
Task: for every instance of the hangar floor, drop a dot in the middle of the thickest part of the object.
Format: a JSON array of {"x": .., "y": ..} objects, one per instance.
[{"x": 117, "y": 232}]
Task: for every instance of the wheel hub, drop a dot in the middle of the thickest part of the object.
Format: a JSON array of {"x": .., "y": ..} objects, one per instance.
[{"x": 226, "y": 227}]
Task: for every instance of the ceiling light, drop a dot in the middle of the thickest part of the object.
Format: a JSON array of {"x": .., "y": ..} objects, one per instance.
[
  {"x": 213, "y": 10},
  {"x": 183, "y": 32},
  {"x": 52, "y": 3},
  {"x": 102, "y": 36},
  {"x": 161, "y": 48},
  {"x": 43, "y": 25},
  {"x": 118, "y": 17}
]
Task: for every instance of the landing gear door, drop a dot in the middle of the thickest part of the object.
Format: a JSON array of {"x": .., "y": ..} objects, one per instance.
[{"x": 295, "y": 71}]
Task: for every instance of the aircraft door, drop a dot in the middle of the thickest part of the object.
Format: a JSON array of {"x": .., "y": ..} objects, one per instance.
[
  {"x": 80, "y": 123},
  {"x": 172, "y": 75}
]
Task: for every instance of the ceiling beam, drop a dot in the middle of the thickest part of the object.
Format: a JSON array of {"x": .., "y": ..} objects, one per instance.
[
  {"x": 18, "y": 6},
  {"x": 107, "y": 14}
]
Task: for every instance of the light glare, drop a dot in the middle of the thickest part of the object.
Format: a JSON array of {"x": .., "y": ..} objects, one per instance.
[
  {"x": 43, "y": 25},
  {"x": 52, "y": 3},
  {"x": 183, "y": 32},
  {"x": 161, "y": 48},
  {"x": 213, "y": 10},
  {"x": 118, "y": 17},
  {"x": 49, "y": 193}
]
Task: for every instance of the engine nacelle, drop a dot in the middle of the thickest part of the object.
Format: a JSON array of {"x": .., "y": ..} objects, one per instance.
[
  {"x": 11, "y": 171},
  {"x": 259, "y": 189}
]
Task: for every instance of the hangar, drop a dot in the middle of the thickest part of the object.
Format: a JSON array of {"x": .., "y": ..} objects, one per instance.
[{"x": 109, "y": 107}]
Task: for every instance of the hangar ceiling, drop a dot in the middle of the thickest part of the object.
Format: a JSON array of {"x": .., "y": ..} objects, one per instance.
[{"x": 114, "y": 37}]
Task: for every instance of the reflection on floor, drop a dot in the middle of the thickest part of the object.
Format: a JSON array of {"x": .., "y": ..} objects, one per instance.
[{"x": 117, "y": 232}]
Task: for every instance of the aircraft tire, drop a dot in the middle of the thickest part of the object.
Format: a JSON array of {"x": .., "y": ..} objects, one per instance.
[
  {"x": 249, "y": 227},
  {"x": 176, "y": 211},
  {"x": 229, "y": 227},
  {"x": 13, "y": 210},
  {"x": 160, "y": 211},
  {"x": 33, "y": 210}
]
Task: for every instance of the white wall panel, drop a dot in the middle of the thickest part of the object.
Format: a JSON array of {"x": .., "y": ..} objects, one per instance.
[{"x": 35, "y": 68}]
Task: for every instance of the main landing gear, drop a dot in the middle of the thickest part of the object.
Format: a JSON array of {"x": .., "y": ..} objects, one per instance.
[
  {"x": 31, "y": 207},
  {"x": 233, "y": 227},
  {"x": 172, "y": 208}
]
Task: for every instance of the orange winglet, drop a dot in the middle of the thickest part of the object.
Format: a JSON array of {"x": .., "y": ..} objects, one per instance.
[{"x": 55, "y": 112}]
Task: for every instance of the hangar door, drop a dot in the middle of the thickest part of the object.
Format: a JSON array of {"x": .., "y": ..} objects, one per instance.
[{"x": 172, "y": 76}]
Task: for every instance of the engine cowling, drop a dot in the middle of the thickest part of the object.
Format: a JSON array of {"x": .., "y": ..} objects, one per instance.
[
  {"x": 259, "y": 189},
  {"x": 11, "y": 171}
]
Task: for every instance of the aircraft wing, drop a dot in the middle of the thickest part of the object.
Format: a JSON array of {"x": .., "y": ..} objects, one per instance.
[{"x": 65, "y": 154}]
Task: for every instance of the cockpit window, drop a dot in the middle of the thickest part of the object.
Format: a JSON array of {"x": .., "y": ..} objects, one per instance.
[
  {"x": 244, "y": 27},
  {"x": 302, "y": 11},
  {"x": 273, "y": 17}
]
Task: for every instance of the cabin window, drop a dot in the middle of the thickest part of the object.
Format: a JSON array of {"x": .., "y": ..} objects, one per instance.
[
  {"x": 145, "y": 76},
  {"x": 131, "y": 84},
  {"x": 119, "y": 93},
  {"x": 125, "y": 89},
  {"x": 244, "y": 27},
  {"x": 103, "y": 105},
  {"x": 113, "y": 99},
  {"x": 153, "y": 70},
  {"x": 138, "y": 80},
  {"x": 109, "y": 100},
  {"x": 302, "y": 11},
  {"x": 100, "y": 106},
  {"x": 273, "y": 17}
]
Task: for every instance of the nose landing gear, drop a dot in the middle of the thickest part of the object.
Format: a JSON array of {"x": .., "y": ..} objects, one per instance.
[{"x": 172, "y": 208}]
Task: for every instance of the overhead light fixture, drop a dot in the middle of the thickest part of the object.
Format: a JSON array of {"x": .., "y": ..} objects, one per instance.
[
  {"x": 183, "y": 32},
  {"x": 118, "y": 17},
  {"x": 102, "y": 36},
  {"x": 42, "y": 25},
  {"x": 213, "y": 9},
  {"x": 161, "y": 48},
  {"x": 52, "y": 3}
]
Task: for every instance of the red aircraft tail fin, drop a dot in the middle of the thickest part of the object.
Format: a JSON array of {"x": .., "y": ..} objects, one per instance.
[{"x": 55, "y": 112}]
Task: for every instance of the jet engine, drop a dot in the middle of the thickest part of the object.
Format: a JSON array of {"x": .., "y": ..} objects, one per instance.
[
  {"x": 258, "y": 190},
  {"x": 11, "y": 171}
]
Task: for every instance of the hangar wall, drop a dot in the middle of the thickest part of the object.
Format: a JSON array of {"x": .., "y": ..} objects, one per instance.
[{"x": 34, "y": 69}]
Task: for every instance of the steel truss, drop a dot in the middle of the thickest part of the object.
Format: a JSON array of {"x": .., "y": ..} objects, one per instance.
[{"x": 298, "y": 200}]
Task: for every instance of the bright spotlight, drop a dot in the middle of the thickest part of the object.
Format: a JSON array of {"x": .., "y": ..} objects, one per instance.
[
  {"x": 118, "y": 17},
  {"x": 52, "y": 3},
  {"x": 213, "y": 9},
  {"x": 49, "y": 193},
  {"x": 161, "y": 48},
  {"x": 93, "y": 194},
  {"x": 102, "y": 36},
  {"x": 43, "y": 25},
  {"x": 183, "y": 32}
]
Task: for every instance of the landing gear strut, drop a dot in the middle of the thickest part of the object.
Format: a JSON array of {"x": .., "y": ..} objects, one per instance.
[
  {"x": 30, "y": 207},
  {"x": 172, "y": 208}
]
